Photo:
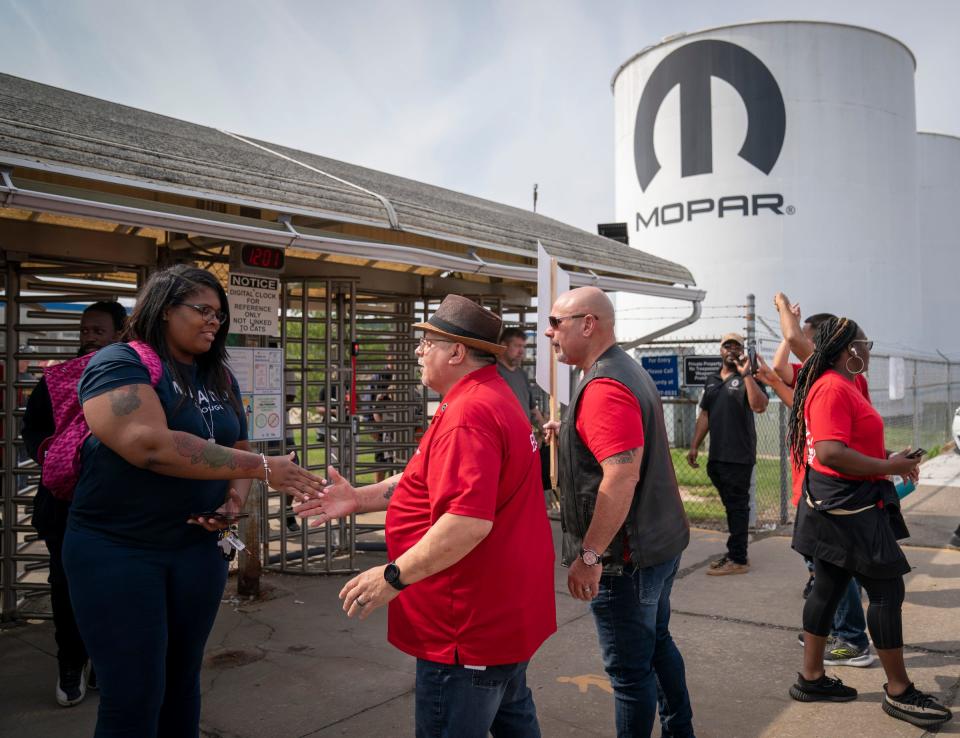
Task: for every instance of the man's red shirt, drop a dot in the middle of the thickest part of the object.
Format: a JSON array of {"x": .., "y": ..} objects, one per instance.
[{"x": 479, "y": 459}]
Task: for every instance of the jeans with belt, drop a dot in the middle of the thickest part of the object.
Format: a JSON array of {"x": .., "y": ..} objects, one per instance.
[{"x": 632, "y": 614}]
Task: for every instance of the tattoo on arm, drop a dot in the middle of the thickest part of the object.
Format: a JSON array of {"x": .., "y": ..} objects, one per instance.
[
  {"x": 390, "y": 489},
  {"x": 624, "y": 457},
  {"x": 125, "y": 400},
  {"x": 214, "y": 456}
]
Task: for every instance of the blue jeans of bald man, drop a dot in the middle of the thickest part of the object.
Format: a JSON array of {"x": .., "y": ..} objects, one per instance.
[{"x": 632, "y": 614}]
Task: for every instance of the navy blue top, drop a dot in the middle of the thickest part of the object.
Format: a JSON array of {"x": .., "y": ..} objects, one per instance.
[{"x": 136, "y": 506}]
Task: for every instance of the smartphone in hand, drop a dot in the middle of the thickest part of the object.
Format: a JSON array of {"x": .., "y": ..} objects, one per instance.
[
  {"x": 917, "y": 454},
  {"x": 221, "y": 517}
]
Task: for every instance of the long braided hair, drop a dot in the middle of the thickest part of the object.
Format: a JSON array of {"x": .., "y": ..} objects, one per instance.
[{"x": 833, "y": 336}]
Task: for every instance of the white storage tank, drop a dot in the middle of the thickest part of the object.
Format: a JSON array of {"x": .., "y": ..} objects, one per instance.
[
  {"x": 938, "y": 238},
  {"x": 776, "y": 155}
]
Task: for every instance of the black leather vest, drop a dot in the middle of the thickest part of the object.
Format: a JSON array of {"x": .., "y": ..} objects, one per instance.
[{"x": 656, "y": 525}]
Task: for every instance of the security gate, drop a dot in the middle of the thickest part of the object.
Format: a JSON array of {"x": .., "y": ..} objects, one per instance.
[
  {"x": 42, "y": 305},
  {"x": 352, "y": 401}
]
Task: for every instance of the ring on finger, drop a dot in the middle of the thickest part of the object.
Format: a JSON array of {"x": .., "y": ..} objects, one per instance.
[{"x": 360, "y": 603}]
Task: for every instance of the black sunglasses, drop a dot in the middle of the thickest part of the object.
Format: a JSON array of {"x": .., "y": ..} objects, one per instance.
[{"x": 556, "y": 320}]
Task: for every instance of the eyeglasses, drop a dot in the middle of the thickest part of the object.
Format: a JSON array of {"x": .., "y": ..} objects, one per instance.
[
  {"x": 426, "y": 343},
  {"x": 865, "y": 342},
  {"x": 556, "y": 320},
  {"x": 207, "y": 313}
]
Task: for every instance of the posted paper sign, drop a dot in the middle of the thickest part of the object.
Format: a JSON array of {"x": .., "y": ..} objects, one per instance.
[
  {"x": 254, "y": 304},
  {"x": 897, "y": 378},
  {"x": 259, "y": 373}
]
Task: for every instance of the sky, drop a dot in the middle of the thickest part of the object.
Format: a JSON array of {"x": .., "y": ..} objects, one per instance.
[{"x": 486, "y": 98}]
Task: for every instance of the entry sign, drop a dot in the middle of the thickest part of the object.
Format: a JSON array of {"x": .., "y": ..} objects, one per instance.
[
  {"x": 254, "y": 304},
  {"x": 664, "y": 370},
  {"x": 696, "y": 369}
]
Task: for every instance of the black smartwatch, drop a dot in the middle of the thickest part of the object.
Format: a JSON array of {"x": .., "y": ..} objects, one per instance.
[
  {"x": 392, "y": 574},
  {"x": 589, "y": 556}
]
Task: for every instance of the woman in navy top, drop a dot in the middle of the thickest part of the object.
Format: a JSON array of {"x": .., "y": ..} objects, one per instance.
[{"x": 145, "y": 582}]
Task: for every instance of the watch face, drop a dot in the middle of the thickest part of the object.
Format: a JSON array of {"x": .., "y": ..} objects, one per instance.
[{"x": 590, "y": 558}]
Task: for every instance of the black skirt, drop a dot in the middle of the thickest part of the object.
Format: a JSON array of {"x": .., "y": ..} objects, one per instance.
[{"x": 862, "y": 543}]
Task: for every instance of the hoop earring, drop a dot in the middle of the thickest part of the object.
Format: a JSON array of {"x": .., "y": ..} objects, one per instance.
[{"x": 854, "y": 371}]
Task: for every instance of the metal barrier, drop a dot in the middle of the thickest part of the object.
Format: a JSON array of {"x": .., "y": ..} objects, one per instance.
[{"x": 42, "y": 305}]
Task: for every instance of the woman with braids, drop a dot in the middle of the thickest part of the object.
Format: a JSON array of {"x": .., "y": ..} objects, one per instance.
[
  {"x": 167, "y": 445},
  {"x": 848, "y": 519}
]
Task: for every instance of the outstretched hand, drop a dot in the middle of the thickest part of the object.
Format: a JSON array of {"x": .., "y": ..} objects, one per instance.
[
  {"x": 287, "y": 476},
  {"x": 337, "y": 499}
]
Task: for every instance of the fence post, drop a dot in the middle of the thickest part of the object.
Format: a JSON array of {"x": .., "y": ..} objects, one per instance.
[
  {"x": 916, "y": 408},
  {"x": 784, "y": 466}
]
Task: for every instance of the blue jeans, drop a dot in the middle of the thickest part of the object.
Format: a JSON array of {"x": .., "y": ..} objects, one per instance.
[
  {"x": 455, "y": 702},
  {"x": 632, "y": 613},
  {"x": 145, "y": 615}
]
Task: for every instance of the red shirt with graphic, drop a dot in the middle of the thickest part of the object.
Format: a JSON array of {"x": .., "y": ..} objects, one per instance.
[{"x": 478, "y": 458}]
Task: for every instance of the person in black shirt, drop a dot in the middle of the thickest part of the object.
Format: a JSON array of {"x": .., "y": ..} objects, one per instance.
[
  {"x": 729, "y": 401},
  {"x": 100, "y": 325}
]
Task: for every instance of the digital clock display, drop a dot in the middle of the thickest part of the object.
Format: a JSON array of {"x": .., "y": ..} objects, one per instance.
[{"x": 262, "y": 257}]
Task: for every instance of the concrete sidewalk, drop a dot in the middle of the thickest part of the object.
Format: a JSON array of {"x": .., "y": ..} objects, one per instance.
[{"x": 292, "y": 665}]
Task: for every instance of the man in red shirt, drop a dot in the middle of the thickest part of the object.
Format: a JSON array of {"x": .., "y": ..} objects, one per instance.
[
  {"x": 470, "y": 578},
  {"x": 623, "y": 520}
]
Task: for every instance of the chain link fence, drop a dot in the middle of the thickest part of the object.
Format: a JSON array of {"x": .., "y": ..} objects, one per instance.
[{"x": 927, "y": 393}]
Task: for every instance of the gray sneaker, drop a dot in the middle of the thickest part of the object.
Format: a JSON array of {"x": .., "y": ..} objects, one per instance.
[{"x": 841, "y": 653}]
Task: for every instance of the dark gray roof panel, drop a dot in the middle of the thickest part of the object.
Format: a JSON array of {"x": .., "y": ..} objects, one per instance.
[{"x": 62, "y": 127}]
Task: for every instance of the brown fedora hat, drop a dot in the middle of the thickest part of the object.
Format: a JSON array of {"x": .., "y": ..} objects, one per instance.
[{"x": 462, "y": 320}]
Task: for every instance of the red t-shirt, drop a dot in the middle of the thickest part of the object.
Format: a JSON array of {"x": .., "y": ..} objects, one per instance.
[
  {"x": 797, "y": 471},
  {"x": 478, "y": 458},
  {"x": 609, "y": 421},
  {"x": 836, "y": 410}
]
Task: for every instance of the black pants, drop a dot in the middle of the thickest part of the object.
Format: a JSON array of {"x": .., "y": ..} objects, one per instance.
[
  {"x": 50, "y": 520},
  {"x": 733, "y": 483},
  {"x": 884, "y": 614}
]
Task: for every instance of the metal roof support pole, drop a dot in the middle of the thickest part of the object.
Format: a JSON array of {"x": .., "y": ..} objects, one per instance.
[
  {"x": 692, "y": 318},
  {"x": 8, "y": 187},
  {"x": 8, "y": 603}
]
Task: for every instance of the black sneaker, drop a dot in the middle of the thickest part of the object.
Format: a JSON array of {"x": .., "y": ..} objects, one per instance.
[
  {"x": 915, "y": 707},
  {"x": 824, "y": 689},
  {"x": 954, "y": 540},
  {"x": 71, "y": 685},
  {"x": 808, "y": 587},
  {"x": 292, "y": 525}
]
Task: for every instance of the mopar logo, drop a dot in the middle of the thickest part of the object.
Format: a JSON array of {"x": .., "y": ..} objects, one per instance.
[
  {"x": 679, "y": 212},
  {"x": 692, "y": 67}
]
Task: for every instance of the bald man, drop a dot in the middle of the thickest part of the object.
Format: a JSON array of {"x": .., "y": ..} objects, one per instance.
[{"x": 623, "y": 520}]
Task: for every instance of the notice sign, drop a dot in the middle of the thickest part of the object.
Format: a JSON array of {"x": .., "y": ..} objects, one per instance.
[
  {"x": 665, "y": 372},
  {"x": 254, "y": 304},
  {"x": 696, "y": 369}
]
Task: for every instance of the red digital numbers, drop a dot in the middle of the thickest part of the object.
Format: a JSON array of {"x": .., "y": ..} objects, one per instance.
[{"x": 262, "y": 257}]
